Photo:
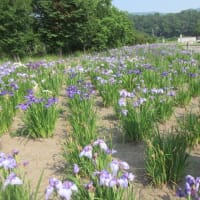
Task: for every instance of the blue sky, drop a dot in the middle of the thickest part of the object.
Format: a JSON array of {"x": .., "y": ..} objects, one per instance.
[{"x": 164, "y": 6}]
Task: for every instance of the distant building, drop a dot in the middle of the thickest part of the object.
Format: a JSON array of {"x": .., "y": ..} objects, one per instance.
[{"x": 189, "y": 39}]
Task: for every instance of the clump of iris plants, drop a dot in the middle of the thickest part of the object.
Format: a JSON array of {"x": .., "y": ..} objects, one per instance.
[
  {"x": 190, "y": 124},
  {"x": 40, "y": 115},
  {"x": 82, "y": 113},
  {"x": 11, "y": 93},
  {"x": 166, "y": 158},
  {"x": 136, "y": 118}
]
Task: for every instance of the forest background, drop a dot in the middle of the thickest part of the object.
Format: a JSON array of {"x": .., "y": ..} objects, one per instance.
[{"x": 38, "y": 27}]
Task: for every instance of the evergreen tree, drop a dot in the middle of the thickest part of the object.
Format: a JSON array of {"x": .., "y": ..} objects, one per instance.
[
  {"x": 69, "y": 25},
  {"x": 16, "y": 35}
]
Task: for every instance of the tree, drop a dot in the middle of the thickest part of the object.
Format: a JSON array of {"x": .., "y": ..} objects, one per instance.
[
  {"x": 16, "y": 35},
  {"x": 185, "y": 22},
  {"x": 69, "y": 25}
]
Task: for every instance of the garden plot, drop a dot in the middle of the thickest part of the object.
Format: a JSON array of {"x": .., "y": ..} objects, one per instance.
[{"x": 112, "y": 125}]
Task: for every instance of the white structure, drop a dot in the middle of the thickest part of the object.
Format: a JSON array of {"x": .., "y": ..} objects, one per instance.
[{"x": 189, "y": 40}]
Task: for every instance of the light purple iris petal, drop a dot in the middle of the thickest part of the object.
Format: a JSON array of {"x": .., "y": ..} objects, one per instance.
[
  {"x": 128, "y": 176},
  {"x": 123, "y": 93},
  {"x": 197, "y": 183},
  {"x": 114, "y": 166},
  {"x": 49, "y": 191},
  {"x": 124, "y": 165},
  {"x": 111, "y": 151},
  {"x": 105, "y": 178},
  {"x": 66, "y": 190},
  {"x": 122, "y": 102},
  {"x": 123, "y": 182},
  {"x": 76, "y": 169},
  {"x": 124, "y": 112},
  {"x": 171, "y": 93},
  {"x": 54, "y": 182},
  {"x": 89, "y": 185},
  {"x": 12, "y": 179},
  {"x": 190, "y": 179},
  {"x": 113, "y": 182},
  {"x": 65, "y": 193},
  {"x": 87, "y": 152},
  {"x": 101, "y": 144},
  {"x": 15, "y": 152},
  {"x": 188, "y": 189},
  {"x": 9, "y": 163}
]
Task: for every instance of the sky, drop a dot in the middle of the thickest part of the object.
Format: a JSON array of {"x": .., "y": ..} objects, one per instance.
[{"x": 163, "y": 6}]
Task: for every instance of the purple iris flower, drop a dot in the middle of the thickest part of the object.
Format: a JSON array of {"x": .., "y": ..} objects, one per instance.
[
  {"x": 180, "y": 193},
  {"x": 14, "y": 86},
  {"x": 171, "y": 93},
  {"x": 12, "y": 179},
  {"x": 164, "y": 73},
  {"x": 101, "y": 144},
  {"x": 8, "y": 162},
  {"x": 105, "y": 178},
  {"x": 129, "y": 176},
  {"x": 51, "y": 101},
  {"x": 193, "y": 75},
  {"x": 76, "y": 169},
  {"x": 124, "y": 112},
  {"x": 64, "y": 190},
  {"x": 24, "y": 106},
  {"x": 72, "y": 91},
  {"x": 48, "y": 192},
  {"x": 89, "y": 186},
  {"x": 122, "y": 102},
  {"x": 123, "y": 182},
  {"x": 87, "y": 152},
  {"x": 114, "y": 165},
  {"x": 4, "y": 92}
]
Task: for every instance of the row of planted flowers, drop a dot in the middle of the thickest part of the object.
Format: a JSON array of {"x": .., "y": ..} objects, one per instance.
[
  {"x": 17, "y": 78},
  {"x": 97, "y": 174}
]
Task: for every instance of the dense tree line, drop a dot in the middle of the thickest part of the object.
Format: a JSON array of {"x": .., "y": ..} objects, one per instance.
[
  {"x": 29, "y": 27},
  {"x": 170, "y": 25}
]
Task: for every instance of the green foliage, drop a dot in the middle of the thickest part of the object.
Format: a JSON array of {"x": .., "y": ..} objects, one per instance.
[
  {"x": 83, "y": 119},
  {"x": 14, "y": 192},
  {"x": 35, "y": 27},
  {"x": 182, "y": 98},
  {"x": 137, "y": 124},
  {"x": 40, "y": 116},
  {"x": 166, "y": 158},
  {"x": 109, "y": 93},
  {"x": 6, "y": 114},
  {"x": 16, "y": 35},
  {"x": 40, "y": 121},
  {"x": 160, "y": 25},
  {"x": 190, "y": 124},
  {"x": 142, "y": 38},
  {"x": 72, "y": 25}
]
